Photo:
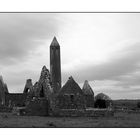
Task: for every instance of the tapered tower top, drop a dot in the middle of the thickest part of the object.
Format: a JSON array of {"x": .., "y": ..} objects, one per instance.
[
  {"x": 55, "y": 65},
  {"x": 54, "y": 42}
]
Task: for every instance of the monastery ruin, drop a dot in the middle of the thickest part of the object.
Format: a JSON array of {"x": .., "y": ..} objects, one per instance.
[{"x": 47, "y": 97}]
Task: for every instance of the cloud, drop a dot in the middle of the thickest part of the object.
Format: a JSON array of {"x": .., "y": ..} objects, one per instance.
[
  {"x": 24, "y": 46},
  {"x": 21, "y": 34},
  {"x": 118, "y": 77},
  {"x": 101, "y": 48},
  {"x": 121, "y": 63},
  {"x": 129, "y": 80}
]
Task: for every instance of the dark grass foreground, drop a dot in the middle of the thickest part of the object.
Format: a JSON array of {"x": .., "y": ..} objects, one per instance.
[{"x": 120, "y": 119}]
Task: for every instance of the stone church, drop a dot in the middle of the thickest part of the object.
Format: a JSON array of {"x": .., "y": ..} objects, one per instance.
[{"x": 47, "y": 95}]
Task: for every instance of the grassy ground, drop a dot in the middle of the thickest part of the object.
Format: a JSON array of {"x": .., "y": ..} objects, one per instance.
[{"x": 119, "y": 120}]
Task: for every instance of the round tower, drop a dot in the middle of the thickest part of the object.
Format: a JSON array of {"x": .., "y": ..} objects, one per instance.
[{"x": 55, "y": 65}]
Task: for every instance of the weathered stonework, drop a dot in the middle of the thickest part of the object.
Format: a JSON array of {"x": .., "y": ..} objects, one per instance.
[
  {"x": 84, "y": 113},
  {"x": 16, "y": 99},
  {"x": 3, "y": 91},
  {"x": 28, "y": 86},
  {"x": 46, "y": 97},
  {"x": 89, "y": 94},
  {"x": 70, "y": 96},
  {"x": 55, "y": 65},
  {"x": 38, "y": 107},
  {"x": 40, "y": 101},
  {"x": 42, "y": 88}
]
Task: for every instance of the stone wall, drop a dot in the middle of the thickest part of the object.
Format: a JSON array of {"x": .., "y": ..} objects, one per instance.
[
  {"x": 3, "y": 91},
  {"x": 70, "y": 96},
  {"x": 89, "y": 94},
  {"x": 83, "y": 113},
  {"x": 28, "y": 86},
  {"x": 42, "y": 88},
  {"x": 37, "y": 107},
  {"x": 89, "y": 99},
  {"x": 15, "y": 99}
]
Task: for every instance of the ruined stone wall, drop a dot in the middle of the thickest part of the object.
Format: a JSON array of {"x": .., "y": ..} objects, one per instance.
[
  {"x": 70, "y": 96},
  {"x": 42, "y": 88},
  {"x": 67, "y": 101},
  {"x": 15, "y": 99},
  {"x": 84, "y": 113},
  {"x": 89, "y": 99},
  {"x": 3, "y": 91},
  {"x": 89, "y": 94},
  {"x": 28, "y": 86},
  {"x": 38, "y": 107}
]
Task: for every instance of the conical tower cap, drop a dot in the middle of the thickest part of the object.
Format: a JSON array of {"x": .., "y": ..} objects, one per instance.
[{"x": 54, "y": 42}]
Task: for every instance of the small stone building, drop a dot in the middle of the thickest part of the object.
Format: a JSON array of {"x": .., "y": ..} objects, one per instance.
[
  {"x": 89, "y": 94},
  {"x": 70, "y": 96},
  {"x": 102, "y": 101}
]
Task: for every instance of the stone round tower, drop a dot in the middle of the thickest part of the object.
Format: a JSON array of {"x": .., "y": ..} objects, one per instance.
[{"x": 55, "y": 65}]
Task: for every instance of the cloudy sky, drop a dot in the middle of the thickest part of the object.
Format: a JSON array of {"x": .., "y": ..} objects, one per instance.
[{"x": 103, "y": 48}]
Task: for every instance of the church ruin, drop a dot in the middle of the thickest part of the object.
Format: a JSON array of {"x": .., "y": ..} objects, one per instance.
[
  {"x": 48, "y": 97},
  {"x": 71, "y": 96}
]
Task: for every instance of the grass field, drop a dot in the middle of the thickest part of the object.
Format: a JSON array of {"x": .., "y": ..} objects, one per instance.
[{"x": 120, "y": 119}]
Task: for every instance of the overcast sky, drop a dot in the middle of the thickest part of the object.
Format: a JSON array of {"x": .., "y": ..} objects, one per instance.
[{"x": 103, "y": 48}]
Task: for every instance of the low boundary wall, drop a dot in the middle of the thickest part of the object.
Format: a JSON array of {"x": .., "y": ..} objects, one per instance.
[{"x": 85, "y": 113}]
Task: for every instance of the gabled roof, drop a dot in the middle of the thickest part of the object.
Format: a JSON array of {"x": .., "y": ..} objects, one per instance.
[
  {"x": 87, "y": 90},
  {"x": 71, "y": 87}
]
